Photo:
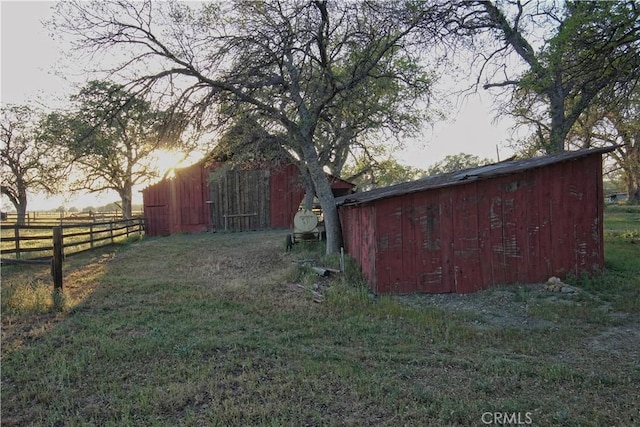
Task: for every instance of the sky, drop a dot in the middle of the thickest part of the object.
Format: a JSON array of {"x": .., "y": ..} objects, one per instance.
[{"x": 29, "y": 73}]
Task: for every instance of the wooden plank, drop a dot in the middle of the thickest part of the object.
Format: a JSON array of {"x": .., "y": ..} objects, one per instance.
[
  {"x": 534, "y": 268},
  {"x": 516, "y": 188},
  {"x": 408, "y": 277},
  {"x": 215, "y": 203},
  {"x": 56, "y": 262},
  {"x": 542, "y": 196},
  {"x": 484, "y": 234},
  {"x": 429, "y": 248},
  {"x": 497, "y": 259},
  {"x": 561, "y": 249},
  {"x": 466, "y": 252},
  {"x": 276, "y": 196},
  {"x": 585, "y": 194},
  {"x": 267, "y": 199},
  {"x": 389, "y": 244},
  {"x": 447, "y": 236},
  {"x": 597, "y": 226},
  {"x": 581, "y": 211},
  {"x": 510, "y": 245},
  {"x": 369, "y": 249},
  {"x": 16, "y": 235},
  {"x": 247, "y": 188}
]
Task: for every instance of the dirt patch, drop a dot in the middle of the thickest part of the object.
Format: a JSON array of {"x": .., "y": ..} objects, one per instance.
[
  {"x": 504, "y": 307},
  {"x": 618, "y": 342},
  {"x": 251, "y": 258}
]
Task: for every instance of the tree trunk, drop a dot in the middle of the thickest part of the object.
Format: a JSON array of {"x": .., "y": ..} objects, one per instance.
[
  {"x": 558, "y": 125},
  {"x": 21, "y": 207},
  {"x": 632, "y": 175},
  {"x": 633, "y": 189},
  {"x": 125, "y": 198},
  {"x": 332, "y": 225},
  {"x": 309, "y": 190}
]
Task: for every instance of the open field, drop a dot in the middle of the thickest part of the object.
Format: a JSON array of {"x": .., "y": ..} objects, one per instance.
[{"x": 222, "y": 329}]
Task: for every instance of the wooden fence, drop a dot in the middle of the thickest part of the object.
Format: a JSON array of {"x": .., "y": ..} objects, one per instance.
[
  {"x": 44, "y": 244},
  {"x": 60, "y": 218},
  {"x": 36, "y": 242}
]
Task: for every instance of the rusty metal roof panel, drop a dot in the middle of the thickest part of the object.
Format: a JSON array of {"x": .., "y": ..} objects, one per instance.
[{"x": 467, "y": 175}]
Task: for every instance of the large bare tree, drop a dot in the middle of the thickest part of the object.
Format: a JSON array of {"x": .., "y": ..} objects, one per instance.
[{"x": 288, "y": 61}]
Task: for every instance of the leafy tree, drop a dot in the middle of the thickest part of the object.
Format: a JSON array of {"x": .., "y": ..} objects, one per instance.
[
  {"x": 616, "y": 123},
  {"x": 112, "y": 135},
  {"x": 289, "y": 62},
  {"x": 27, "y": 164},
  {"x": 571, "y": 53},
  {"x": 456, "y": 162},
  {"x": 626, "y": 125},
  {"x": 368, "y": 173}
]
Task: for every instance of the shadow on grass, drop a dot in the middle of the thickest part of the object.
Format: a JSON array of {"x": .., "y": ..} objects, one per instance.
[{"x": 202, "y": 329}]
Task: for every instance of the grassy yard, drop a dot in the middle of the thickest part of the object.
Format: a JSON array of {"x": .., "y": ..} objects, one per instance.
[{"x": 223, "y": 329}]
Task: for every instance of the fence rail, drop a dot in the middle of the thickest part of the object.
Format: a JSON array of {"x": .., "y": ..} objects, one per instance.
[
  {"x": 36, "y": 242},
  {"x": 51, "y": 218}
]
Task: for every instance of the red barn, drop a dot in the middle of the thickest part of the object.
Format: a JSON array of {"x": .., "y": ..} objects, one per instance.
[
  {"x": 201, "y": 197},
  {"x": 513, "y": 222}
]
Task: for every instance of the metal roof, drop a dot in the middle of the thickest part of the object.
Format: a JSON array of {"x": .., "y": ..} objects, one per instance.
[{"x": 466, "y": 175}]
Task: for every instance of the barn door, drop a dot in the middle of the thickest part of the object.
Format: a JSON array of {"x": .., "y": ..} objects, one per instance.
[{"x": 240, "y": 200}]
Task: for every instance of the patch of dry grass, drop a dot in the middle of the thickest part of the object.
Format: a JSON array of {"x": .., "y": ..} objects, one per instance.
[{"x": 212, "y": 329}]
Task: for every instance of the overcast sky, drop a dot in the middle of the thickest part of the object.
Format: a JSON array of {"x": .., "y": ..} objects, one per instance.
[{"x": 30, "y": 59}]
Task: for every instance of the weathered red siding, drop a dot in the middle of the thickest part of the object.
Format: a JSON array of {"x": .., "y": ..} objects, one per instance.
[
  {"x": 182, "y": 203},
  {"x": 517, "y": 228},
  {"x": 178, "y": 204},
  {"x": 362, "y": 238},
  {"x": 287, "y": 192}
]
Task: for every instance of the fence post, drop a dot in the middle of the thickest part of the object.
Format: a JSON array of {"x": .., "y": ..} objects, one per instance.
[
  {"x": 56, "y": 261},
  {"x": 111, "y": 230},
  {"x": 16, "y": 234},
  {"x": 91, "y": 235}
]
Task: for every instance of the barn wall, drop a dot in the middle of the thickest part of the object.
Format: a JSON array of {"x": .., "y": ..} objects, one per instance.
[
  {"x": 156, "y": 211},
  {"x": 189, "y": 196},
  {"x": 519, "y": 228},
  {"x": 358, "y": 225},
  {"x": 286, "y": 193},
  {"x": 178, "y": 204},
  {"x": 189, "y": 203},
  {"x": 241, "y": 200}
]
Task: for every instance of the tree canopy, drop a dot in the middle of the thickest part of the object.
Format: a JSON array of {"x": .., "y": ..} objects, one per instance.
[
  {"x": 294, "y": 64},
  {"x": 27, "y": 163},
  {"x": 614, "y": 122},
  {"x": 570, "y": 54},
  {"x": 111, "y": 135},
  {"x": 370, "y": 172},
  {"x": 456, "y": 162}
]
